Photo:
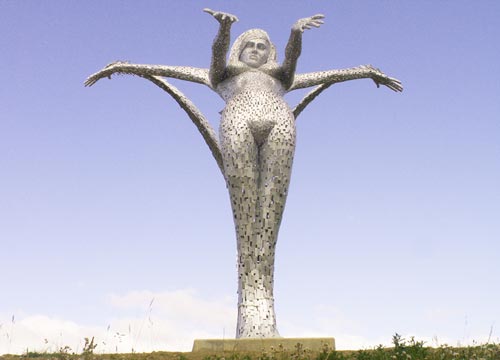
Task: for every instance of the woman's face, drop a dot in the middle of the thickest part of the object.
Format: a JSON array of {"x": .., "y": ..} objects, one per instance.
[{"x": 255, "y": 53}]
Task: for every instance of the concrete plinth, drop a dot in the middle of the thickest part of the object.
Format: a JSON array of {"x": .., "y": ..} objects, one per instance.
[{"x": 258, "y": 345}]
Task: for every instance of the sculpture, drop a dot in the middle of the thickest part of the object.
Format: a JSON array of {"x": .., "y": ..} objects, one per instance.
[{"x": 257, "y": 143}]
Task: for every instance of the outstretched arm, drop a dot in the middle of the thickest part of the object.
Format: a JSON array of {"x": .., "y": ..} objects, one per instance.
[
  {"x": 187, "y": 73},
  {"x": 187, "y": 105},
  {"x": 334, "y": 76},
  {"x": 294, "y": 47},
  {"x": 220, "y": 46}
]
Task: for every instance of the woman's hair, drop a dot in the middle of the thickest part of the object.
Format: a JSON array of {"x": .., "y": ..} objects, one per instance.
[{"x": 235, "y": 66}]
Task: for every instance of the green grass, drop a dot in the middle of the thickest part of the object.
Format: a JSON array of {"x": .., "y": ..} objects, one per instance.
[{"x": 402, "y": 349}]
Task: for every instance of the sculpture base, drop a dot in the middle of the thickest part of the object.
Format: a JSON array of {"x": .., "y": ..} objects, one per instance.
[{"x": 265, "y": 344}]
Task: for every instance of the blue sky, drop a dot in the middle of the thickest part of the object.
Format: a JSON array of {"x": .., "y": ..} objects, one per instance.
[{"x": 115, "y": 221}]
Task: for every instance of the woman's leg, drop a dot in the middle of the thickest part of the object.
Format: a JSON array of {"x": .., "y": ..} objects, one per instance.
[
  {"x": 275, "y": 165},
  {"x": 257, "y": 178},
  {"x": 257, "y": 316},
  {"x": 240, "y": 155}
]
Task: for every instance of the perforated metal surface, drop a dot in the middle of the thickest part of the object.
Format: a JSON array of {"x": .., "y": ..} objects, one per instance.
[{"x": 256, "y": 143}]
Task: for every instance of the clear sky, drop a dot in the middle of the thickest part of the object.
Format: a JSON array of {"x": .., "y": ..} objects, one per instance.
[{"x": 115, "y": 221}]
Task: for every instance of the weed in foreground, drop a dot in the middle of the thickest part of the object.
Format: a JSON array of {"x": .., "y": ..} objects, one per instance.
[{"x": 402, "y": 349}]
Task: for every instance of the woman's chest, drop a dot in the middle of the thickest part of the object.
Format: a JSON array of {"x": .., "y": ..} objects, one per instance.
[{"x": 250, "y": 82}]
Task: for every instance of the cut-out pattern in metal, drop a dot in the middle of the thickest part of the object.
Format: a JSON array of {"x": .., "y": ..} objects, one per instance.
[{"x": 256, "y": 142}]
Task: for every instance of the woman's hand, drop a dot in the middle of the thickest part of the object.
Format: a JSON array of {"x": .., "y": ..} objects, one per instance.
[
  {"x": 106, "y": 72},
  {"x": 222, "y": 17},
  {"x": 382, "y": 79},
  {"x": 307, "y": 23}
]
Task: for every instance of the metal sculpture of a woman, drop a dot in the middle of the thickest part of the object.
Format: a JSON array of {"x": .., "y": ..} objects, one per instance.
[{"x": 256, "y": 143}]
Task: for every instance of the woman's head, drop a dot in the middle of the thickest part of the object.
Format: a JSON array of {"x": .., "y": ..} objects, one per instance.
[
  {"x": 255, "y": 53},
  {"x": 254, "y": 49}
]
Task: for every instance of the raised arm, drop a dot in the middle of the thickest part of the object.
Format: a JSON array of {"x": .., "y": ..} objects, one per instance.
[
  {"x": 294, "y": 47},
  {"x": 187, "y": 73},
  {"x": 220, "y": 46},
  {"x": 334, "y": 76}
]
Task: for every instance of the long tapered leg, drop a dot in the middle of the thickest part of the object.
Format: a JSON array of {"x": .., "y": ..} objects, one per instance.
[
  {"x": 257, "y": 316},
  {"x": 257, "y": 175},
  {"x": 275, "y": 165},
  {"x": 240, "y": 155}
]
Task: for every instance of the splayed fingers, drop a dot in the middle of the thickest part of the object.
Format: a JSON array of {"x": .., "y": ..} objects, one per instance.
[
  {"x": 309, "y": 22},
  {"x": 382, "y": 79}
]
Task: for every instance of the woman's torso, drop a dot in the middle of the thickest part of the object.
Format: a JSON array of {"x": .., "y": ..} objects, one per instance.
[{"x": 254, "y": 99}]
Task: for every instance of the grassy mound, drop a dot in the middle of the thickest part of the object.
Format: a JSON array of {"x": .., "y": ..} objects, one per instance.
[{"x": 402, "y": 350}]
